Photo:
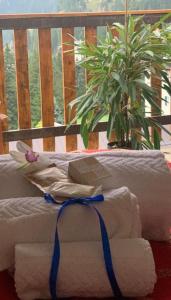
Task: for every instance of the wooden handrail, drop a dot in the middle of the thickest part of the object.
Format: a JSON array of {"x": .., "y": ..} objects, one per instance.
[
  {"x": 83, "y": 14},
  {"x": 36, "y": 133},
  {"x": 64, "y": 20}
]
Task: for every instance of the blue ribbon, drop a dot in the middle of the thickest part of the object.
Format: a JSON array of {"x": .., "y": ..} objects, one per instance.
[{"x": 105, "y": 243}]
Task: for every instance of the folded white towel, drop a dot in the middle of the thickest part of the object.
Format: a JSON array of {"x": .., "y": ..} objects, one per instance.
[
  {"x": 144, "y": 172},
  {"x": 147, "y": 175},
  {"x": 82, "y": 271},
  {"x": 27, "y": 220}
]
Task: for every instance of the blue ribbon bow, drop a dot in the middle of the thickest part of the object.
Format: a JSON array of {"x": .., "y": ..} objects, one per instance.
[{"x": 87, "y": 201}]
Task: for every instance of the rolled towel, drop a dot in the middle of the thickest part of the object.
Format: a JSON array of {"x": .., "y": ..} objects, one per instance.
[
  {"x": 82, "y": 271},
  {"x": 27, "y": 220}
]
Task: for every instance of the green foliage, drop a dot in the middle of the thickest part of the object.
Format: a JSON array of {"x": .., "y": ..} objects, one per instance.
[
  {"x": 58, "y": 97},
  {"x": 119, "y": 68},
  {"x": 34, "y": 87},
  {"x": 105, "y": 5},
  {"x": 11, "y": 87},
  {"x": 24, "y": 6}
]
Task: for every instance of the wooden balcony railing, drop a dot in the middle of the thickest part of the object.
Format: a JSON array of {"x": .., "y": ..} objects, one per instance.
[{"x": 44, "y": 23}]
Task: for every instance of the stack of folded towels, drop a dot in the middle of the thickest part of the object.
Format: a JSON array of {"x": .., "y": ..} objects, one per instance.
[{"x": 137, "y": 207}]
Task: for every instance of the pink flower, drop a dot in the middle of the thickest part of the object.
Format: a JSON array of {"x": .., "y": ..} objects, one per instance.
[{"x": 31, "y": 156}]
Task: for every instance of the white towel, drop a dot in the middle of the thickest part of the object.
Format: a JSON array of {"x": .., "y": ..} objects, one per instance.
[
  {"x": 27, "y": 220},
  {"x": 147, "y": 175},
  {"x": 144, "y": 172},
  {"x": 13, "y": 184},
  {"x": 82, "y": 270}
]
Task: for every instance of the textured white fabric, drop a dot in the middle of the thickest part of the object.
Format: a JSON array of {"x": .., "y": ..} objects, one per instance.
[
  {"x": 147, "y": 175},
  {"x": 144, "y": 172},
  {"x": 13, "y": 184},
  {"x": 82, "y": 271},
  {"x": 26, "y": 220}
]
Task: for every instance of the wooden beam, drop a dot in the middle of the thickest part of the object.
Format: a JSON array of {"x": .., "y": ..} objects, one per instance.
[
  {"x": 65, "y": 20},
  {"x": 37, "y": 133},
  {"x": 46, "y": 76},
  {"x": 69, "y": 81},
  {"x": 91, "y": 39},
  {"x": 23, "y": 93},
  {"x": 3, "y": 102}
]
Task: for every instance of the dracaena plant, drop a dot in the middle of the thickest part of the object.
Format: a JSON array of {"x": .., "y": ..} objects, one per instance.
[{"x": 119, "y": 68}]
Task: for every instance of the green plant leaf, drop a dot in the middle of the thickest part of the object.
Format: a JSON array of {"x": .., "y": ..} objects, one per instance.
[
  {"x": 119, "y": 68},
  {"x": 156, "y": 138}
]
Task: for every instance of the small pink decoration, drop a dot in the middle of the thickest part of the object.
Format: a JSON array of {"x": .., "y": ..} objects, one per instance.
[{"x": 31, "y": 156}]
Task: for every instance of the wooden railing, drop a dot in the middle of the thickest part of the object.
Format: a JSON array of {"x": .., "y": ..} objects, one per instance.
[{"x": 44, "y": 23}]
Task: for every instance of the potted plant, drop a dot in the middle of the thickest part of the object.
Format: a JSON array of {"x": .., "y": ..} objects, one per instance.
[{"x": 119, "y": 68}]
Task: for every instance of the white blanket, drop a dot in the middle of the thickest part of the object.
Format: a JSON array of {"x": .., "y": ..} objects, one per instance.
[
  {"x": 82, "y": 271},
  {"x": 27, "y": 220}
]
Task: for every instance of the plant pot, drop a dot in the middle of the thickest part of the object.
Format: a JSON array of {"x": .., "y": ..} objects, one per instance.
[{"x": 119, "y": 145}]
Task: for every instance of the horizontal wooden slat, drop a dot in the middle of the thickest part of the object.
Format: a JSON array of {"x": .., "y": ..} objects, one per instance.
[
  {"x": 69, "y": 81},
  {"x": 3, "y": 102},
  {"x": 23, "y": 93},
  {"x": 46, "y": 76},
  {"x": 36, "y": 133},
  {"x": 58, "y": 20}
]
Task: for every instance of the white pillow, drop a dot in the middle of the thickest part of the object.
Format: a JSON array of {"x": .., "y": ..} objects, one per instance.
[{"x": 28, "y": 220}]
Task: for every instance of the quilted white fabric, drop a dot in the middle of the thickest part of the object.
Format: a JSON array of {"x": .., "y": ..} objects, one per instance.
[
  {"x": 145, "y": 173},
  {"x": 13, "y": 184},
  {"x": 82, "y": 270},
  {"x": 27, "y": 220}
]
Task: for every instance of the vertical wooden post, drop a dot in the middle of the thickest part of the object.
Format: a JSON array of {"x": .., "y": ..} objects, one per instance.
[
  {"x": 3, "y": 102},
  {"x": 1, "y": 139},
  {"x": 23, "y": 93},
  {"x": 2, "y": 119},
  {"x": 46, "y": 76},
  {"x": 91, "y": 39},
  {"x": 69, "y": 80}
]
